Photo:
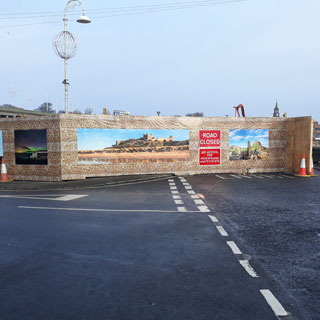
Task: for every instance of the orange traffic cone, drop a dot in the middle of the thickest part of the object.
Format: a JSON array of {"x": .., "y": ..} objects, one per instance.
[
  {"x": 4, "y": 174},
  {"x": 303, "y": 170},
  {"x": 312, "y": 170}
]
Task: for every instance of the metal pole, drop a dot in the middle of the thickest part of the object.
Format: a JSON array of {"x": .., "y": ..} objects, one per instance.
[{"x": 66, "y": 81}]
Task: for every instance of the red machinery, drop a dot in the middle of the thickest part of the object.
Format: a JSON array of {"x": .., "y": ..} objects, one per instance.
[{"x": 236, "y": 111}]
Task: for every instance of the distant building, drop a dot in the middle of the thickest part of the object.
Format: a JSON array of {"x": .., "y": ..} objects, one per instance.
[
  {"x": 276, "y": 112},
  {"x": 14, "y": 112},
  {"x": 121, "y": 113},
  {"x": 316, "y": 134}
]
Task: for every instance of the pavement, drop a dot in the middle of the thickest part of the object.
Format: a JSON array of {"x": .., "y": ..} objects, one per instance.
[
  {"x": 146, "y": 250},
  {"x": 79, "y": 184}
]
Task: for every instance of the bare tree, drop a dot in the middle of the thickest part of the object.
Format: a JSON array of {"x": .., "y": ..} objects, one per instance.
[
  {"x": 46, "y": 107},
  {"x": 89, "y": 111}
]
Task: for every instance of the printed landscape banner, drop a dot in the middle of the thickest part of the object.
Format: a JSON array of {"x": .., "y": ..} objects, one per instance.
[
  {"x": 97, "y": 146},
  {"x": 249, "y": 144},
  {"x": 1, "y": 145},
  {"x": 31, "y": 146}
]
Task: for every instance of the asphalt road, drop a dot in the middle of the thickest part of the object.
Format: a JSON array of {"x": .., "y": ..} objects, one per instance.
[
  {"x": 276, "y": 220},
  {"x": 154, "y": 250}
]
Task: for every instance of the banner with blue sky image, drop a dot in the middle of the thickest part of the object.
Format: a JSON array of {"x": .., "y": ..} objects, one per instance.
[
  {"x": 249, "y": 144},
  {"x": 98, "y": 146}
]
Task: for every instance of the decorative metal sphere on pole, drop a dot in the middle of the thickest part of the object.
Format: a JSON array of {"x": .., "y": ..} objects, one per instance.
[{"x": 66, "y": 46}]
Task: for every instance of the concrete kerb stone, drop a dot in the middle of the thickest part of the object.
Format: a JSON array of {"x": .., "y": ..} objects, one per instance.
[{"x": 90, "y": 183}]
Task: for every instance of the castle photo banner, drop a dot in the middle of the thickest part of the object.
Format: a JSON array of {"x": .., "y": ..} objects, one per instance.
[
  {"x": 249, "y": 144},
  {"x": 105, "y": 146}
]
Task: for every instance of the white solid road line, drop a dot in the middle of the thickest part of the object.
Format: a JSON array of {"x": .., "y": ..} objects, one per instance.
[
  {"x": 67, "y": 197},
  {"x": 222, "y": 231},
  {"x": 213, "y": 219},
  {"x": 235, "y": 249},
  {"x": 274, "y": 303},
  {"x": 246, "y": 265},
  {"x": 101, "y": 210},
  {"x": 233, "y": 175}
]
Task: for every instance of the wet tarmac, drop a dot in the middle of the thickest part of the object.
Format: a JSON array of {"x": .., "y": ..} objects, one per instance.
[{"x": 277, "y": 220}]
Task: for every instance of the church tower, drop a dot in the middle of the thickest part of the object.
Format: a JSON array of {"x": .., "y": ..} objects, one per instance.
[{"x": 276, "y": 112}]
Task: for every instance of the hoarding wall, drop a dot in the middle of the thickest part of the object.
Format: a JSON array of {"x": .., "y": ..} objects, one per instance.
[
  {"x": 109, "y": 145},
  {"x": 67, "y": 147}
]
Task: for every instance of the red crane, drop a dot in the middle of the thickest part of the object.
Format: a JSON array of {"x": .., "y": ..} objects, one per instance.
[{"x": 236, "y": 111}]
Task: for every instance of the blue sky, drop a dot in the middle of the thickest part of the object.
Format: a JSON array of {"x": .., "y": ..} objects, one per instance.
[
  {"x": 98, "y": 139},
  {"x": 205, "y": 59},
  {"x": 241, "y": 137},
  {"x": 1, "y": 145}
]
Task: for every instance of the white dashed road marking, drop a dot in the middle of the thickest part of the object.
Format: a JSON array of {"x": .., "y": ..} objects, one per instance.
[
  {"x": 191, "y": 192},
  {"x": 246, "y": 265},
  {"x": 178, "y": 201},
  {"x": 273, "y": 302},
  {"x": 254, "y": 175},
  {"x": 289, "y": 177},
  {"x": 204, "y": 209},
  {"x": 194, "y": 196},
  {"x": 235, "y": 249},
  {"x": 222, "y": 231},
  {"x": 269, "y": 177},
  {"x": 248, "y": 177},
  {"x": 176, "y": 197},
  {"x": 173, "y": 188},
  {"x": 223, "y": 178},
  {"x": 213, "y": 219},
  {"x": 199, "y": 201},
  {"x": 174, "y": 192},
  {"x": 233, "y": 175},
  {"x": 182, "y": 209}
]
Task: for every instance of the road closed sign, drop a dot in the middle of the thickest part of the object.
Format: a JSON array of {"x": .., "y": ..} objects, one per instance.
[
  {"x": 209, "y": 157},
  {"x": 209, "y": 138}
]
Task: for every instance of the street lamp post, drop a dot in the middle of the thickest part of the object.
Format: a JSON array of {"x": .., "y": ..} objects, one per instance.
[{"x": 66, "y": 45}]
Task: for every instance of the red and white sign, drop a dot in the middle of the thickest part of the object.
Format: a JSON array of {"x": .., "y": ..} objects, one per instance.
[
  {"x": 209, "y": 138},
  {"x": 209, "y": 157}
]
